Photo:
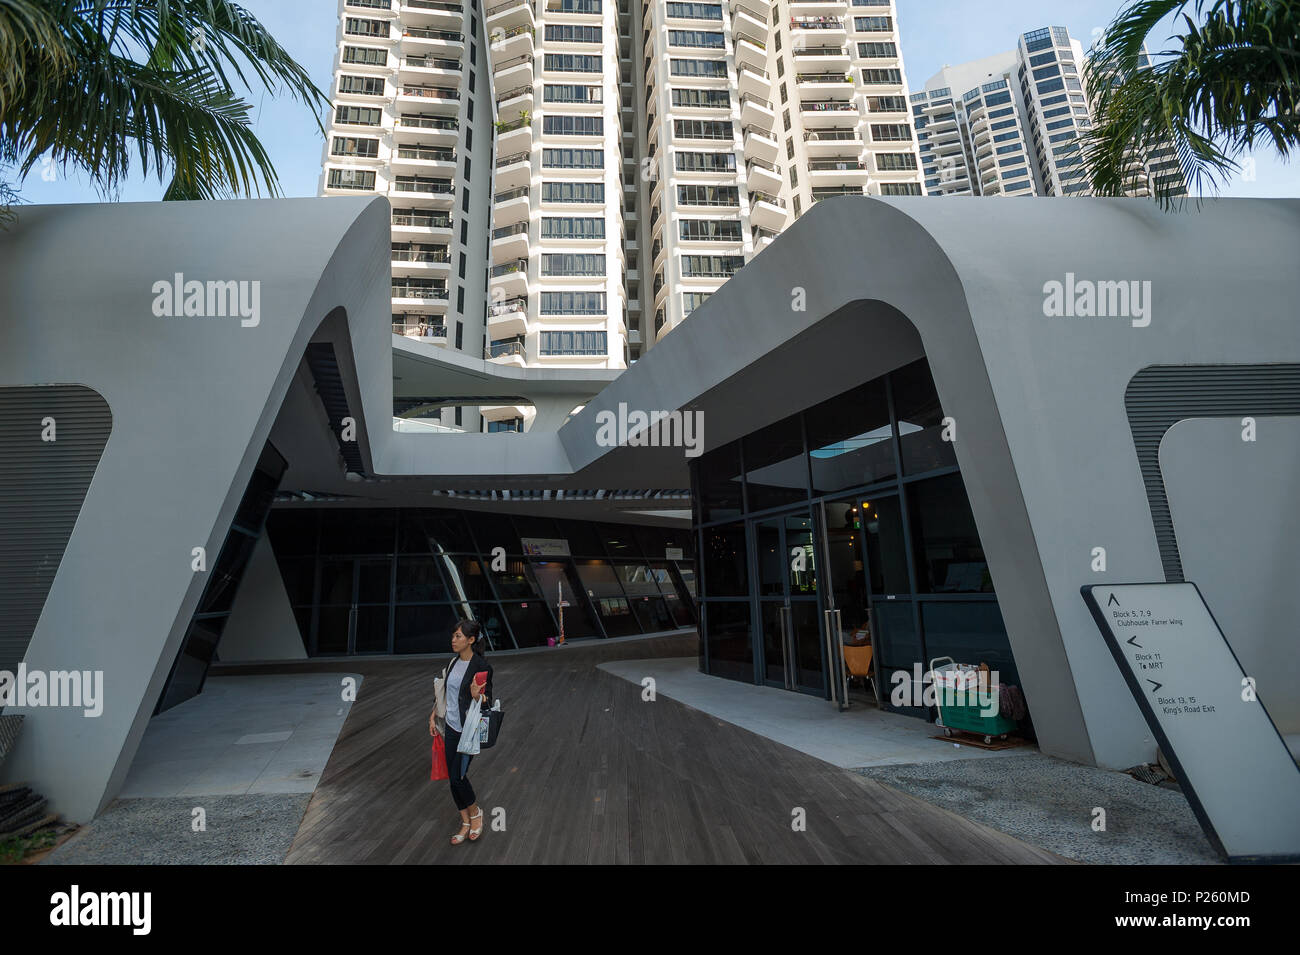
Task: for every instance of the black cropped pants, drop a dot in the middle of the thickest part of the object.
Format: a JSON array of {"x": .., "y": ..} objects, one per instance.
[{"x": 457, "y": 767}]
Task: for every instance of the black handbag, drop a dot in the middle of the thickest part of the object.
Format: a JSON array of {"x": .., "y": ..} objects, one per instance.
[{"x": 494, "y": 718}]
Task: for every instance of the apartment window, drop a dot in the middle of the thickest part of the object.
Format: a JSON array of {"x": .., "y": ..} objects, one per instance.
[
  {"x": 573, "y": 192},
  {"x": 573, "y": 264},
  {"x": 712, "y": 266},
  {"x": 798, "y": 206},
  {"x": 571, "y": 93},
  {"x": 794, "y": 177},
  {"x": 359, "y": 26},
  {"x": 710, "y": 230},
  {"x": 361, "y": 85},
  {"x": 705, "y": 162},
  {"x": 785, "y": 96},
  {"x": 572, "y": 158},
  {"x": 878, "y": 49},
  {"x": 575, "y": 227},
  {"x": 506, "y": 425},
  {"x": 574, "y": 6},
  {"x": 887, "y": 104},
  {"x": 894, "y": 162},
  {"x": 471, "y": 81},
  {"x": 710, "y": 99},
  {"x": 873, "y": 24},
  {"x": 706, "y": 39},
  {"x": 882, "y": 77},
  {"x": 700, "y": 195},
  {"x": 464, "y": 200},
  {"x": 573, "y": 303},
  {"x": 462, "y": 265},
  {"x": 573, "y": 343},
  {"x": 900, "y": 188},
  {"x": 572, "y": 33},
  {"x": 357, "y": 115},
  {"x": 365, "y": 56},
  {"x": 703, "y": 129},
  {"x": 711, "y": 68},
  {"x": 459, "y": 423},
  {"x": 572, "y": 63},
  {"x": 351, "y": 179},
  {"x": 460, "y": 330},
  {"x": 789, "y": 149},
  {"x": 693, "y": 300},
  {"x": 780, "y": 65},
  {"x": 890, "y": 132},
  {"x": 359, "y": 147},
  {"x": 564, "y": 125},
  {"x": 695, "y": 11}
]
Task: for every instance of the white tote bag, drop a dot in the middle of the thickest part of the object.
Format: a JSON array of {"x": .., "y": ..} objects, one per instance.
[{"x": 469, "y": 736}]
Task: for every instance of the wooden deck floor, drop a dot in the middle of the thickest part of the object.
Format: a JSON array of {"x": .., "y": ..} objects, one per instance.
[{"x": 586, "y": 772}]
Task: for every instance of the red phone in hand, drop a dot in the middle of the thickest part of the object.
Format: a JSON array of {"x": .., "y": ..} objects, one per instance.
[{"x": 480, "y": 678}]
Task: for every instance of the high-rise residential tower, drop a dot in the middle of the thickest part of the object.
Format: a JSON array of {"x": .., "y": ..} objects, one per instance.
[
  {"x": 1011, "y": 124},
  {"x": 570, "y": 179}
]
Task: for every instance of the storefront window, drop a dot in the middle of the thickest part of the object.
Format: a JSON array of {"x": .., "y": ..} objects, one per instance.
[
  {"x": 726, "y": 567},
  {"x": 920, "y": 420},
  {"x": 718, "y": 489},
  {"x": 949, "y": 558},
  {"x": 850, "y": 440},
  {"x": 776, "y": 470}
]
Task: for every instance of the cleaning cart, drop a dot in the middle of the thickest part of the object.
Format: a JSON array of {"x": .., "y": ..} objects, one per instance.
[{"x": 963, "y": 694}]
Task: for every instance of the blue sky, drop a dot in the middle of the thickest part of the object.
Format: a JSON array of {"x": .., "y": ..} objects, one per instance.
[{"x": 935, "y": 33}]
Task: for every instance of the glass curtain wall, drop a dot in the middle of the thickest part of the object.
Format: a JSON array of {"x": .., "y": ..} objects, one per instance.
[
  {"x": 902, "y": 555},
  {"x": 396, "y": 580}
]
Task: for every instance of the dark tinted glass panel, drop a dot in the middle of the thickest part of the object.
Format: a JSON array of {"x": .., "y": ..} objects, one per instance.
[
  {"x": 773, "y": 570},
  {"x": 598, "y": 578},
  {"x": 219, "y": 594},
  {"x": 336, "y": 581},
  {"x": 583, "y": 539},
  {"x": 776, "y": 470},
  {"x": 558, "y": 581},
  {"x": 616, "y": 616},
  {"x": 803, "y": 565},
  {"x": 894, "y": 633},
  {"x": 846, "y": 570},
  {"x": 373, "y": 581},
  {"x": 495, "y": 530},
  {"x": 894, "y": 685},
  {"x": 920, "y": 420},
  {"x": 538, "y": 527},
  {"x": 298, "y": 575},
  {"x": 418, "y": 579},
  {"x": 515, "y": 582},
  {"x": 652, "y": 614},
  {"x": 372, "y": 629},
  {"x": 357, "y": 531},
  {"x": 494, "y": 625},
  {"x": 424, "y": 532},
  {"x": 731, "y": 653},
  {"x": 302, "y": 616},
  {"x": 725, "y": 565},
  {"x": 619, "y": 540},
  {"x": 679, "y": 610},
  {"x": 256, "y": 502},
  {"x": 530, "y": 621},
  {"x": 969, "y": 632},
  {"x": 886, "y": 557},
  {"x": 423, "y": 629},
  {"x": 807, "y": 644},
  {"x": 719, "y": 484},
  {"x": 849, "y": 440},
  {"x": 949, "y": 558},
  {"x": 465, "y": 577},
  {"x": 332, "y": 629},
  {"x": 293, "y": 532},
  {"x": 639, "y": 579}
]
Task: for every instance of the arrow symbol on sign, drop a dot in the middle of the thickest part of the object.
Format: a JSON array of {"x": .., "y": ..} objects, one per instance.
[
  {"x": 1154, "y": 685},
  {"x": 1132, "y": 641},
  {"x": 1113, "y": 600}
]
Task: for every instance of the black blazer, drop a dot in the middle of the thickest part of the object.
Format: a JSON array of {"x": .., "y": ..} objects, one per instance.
[{"x": 477, "y": 664}]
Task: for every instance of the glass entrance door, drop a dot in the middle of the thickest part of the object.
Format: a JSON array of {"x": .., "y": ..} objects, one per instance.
[
  {"x": 355, "y": 598},
  {"x": 787, "y": 608}
]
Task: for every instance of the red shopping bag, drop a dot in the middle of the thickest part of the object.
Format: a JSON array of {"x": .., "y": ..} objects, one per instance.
[{"x": 439, "y": 770}]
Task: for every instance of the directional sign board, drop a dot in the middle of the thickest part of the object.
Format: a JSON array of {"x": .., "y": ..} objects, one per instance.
[{"x": 1230, "y": 759}]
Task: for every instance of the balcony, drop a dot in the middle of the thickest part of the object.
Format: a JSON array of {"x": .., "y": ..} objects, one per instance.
[
  {"x": 510, "y": 242},
  {"x": 832, "y": 142},
  {"x": 414, "y": 69},
  {"x": 749, "y": 18},
  {"x": 512, "y": 72},
  {"x": 421, "y": 222},
  {"x": 834, "y": 86},
  {"x": 823, "y": 58},
  {"x": 830, "y": 28},
  {"x": 415, "y": 156},
  {"x": 763, "y": 176},
  {"x": 438, "y": 14},
  {"x": 759, "y": 143},
  {"x": 837, "y": 171},
  {"x": 514, "y": 170},
  {"x": 420, "y": 260},
  {"x": 439, "y": 99},
  {"x": 767, "y": 211},
  {"x": 750, "y": 51},
  {"x": 430, "y": 329},
  {"x": 507, "y": 353},
  {"x": 507, "y": 15},
  {"x": 510, "y": 206},
  {"x": 424, "y": 128},
  {"x": 436, "y": 192},
  {"x": 515, "y": 135},
  {"x": 753, "y": 82},
  {"x": 817, "y": 113},
  {"x": 516, "y": 101},
  {"x": 756, "y": 112},
  {"x": 448, "y": 44},
  {"x": 832, "y": 193},
  {"x": 512, "y": 43},
  {"x": 413, "y": 292},
  {"x": 763, "y": 238},
  {"x": 511, "y": 278}
]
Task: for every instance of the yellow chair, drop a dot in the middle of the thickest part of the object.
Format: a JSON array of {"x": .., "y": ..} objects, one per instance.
[{"x": 857, "y": 660}]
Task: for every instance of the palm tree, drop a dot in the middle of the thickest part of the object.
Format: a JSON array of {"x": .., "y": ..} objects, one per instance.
[
  {"x": 98, "y": 84},
  {"x": 1231, "y": 83}
]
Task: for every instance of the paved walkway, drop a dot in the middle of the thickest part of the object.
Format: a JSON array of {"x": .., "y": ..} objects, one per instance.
[{"x": 588, "y": 772}]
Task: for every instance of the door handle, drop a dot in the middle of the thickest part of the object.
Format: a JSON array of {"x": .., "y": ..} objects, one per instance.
[{"x": 787, "y": 665}]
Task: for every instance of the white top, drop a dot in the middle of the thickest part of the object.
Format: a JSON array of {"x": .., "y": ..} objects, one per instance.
[{"x": 454, "y": 679}]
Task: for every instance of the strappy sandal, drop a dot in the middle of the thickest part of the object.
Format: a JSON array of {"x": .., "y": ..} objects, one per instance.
[
  {"x": 459, "y": 837},
  {"x": 475, "y": 833}
]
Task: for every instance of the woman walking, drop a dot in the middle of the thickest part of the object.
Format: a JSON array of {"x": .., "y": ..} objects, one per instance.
[{"x": 461, "y": 687}]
